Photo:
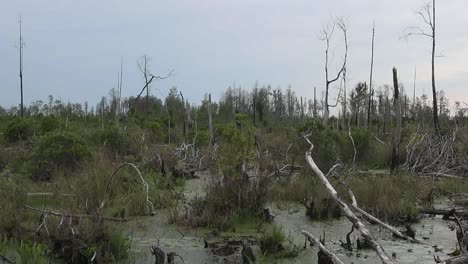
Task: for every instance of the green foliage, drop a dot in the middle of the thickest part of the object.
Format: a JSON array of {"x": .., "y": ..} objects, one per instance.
[
  {"x": 31, "y": 254},
  {"x": 19, "y": 129},
  {"x": 239, "y": 141},
  {"x": 116, "y": 141},
  {"x": 119, "y": 245},
  {"x": 48, "y": 124},
  {"x": 57, "y": 150},
  {"x": 157, "y": 129}
]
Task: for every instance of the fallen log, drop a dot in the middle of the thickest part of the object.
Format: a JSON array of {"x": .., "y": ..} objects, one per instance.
[
  {"x": 385, "y": 225},
  {"x": 373, "y": 219},
  {"x": 445, "y": 213},
  {"x": 49, "y": 212},
  {"x": 344, "y": 207},
  {"x": 463, "y": 259}
]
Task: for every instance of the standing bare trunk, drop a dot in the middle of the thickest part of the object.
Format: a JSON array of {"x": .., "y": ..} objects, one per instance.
[
  {"x": 184, "y": 128},
  {"x": 428, "y": 15},
  {"x": 371, "y": 92},
  {"x": 327, "y": 35},
  {"x": 414, "y": 94},
  {"x": 210, "y": 123},
  {"x": 397, "y": 130},
  {"x": 434, "y": 92},
  {"x": 21, "y": 45},
  {"x": 315, "y": 102}
]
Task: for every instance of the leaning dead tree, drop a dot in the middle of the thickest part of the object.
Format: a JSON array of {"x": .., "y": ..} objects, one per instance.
[
  {"x": 344, "y": 206},
  {"x": 148, "y": 80},
  {"x": 327, "y": 34},
  {"x": 428, "y": 16}
]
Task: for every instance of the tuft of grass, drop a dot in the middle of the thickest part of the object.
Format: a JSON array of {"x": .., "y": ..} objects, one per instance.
[{"x": 119, "y": 245}]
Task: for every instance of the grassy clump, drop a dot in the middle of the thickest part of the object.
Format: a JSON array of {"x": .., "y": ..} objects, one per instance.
[
  {"x": 390, "y": 197},
  {"x": 226, "y": 198}
]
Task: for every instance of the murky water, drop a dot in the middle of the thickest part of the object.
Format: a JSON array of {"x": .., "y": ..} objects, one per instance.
[{"x": 189, "y": 243}]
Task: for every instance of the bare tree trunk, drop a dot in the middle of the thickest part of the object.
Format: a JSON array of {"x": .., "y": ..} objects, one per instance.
[
  {"x": 434, "y": 92},
  {"x": 210, "y": 123},
  {"x": 315, "y": 102},
  {"x": 397, "y": 131},
  {"x": 21, "y": 67},
  {"x": 184, "y": 128},
  {"x": 371, "y": 92},
  {"x": 327, "y": 34}
]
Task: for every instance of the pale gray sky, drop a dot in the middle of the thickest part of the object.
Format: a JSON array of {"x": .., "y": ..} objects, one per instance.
[{"x": 73, "y": 48}]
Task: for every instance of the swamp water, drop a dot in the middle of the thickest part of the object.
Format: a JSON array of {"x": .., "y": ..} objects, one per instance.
[{"x": 439, "y": 237}]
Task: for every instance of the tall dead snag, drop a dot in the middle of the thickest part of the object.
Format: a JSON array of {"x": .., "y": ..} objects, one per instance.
[
  {"x": 428, "y": 15},
  {"x": 143, "y": 65},
  {"x": 21, "y": 46},
  {"x": 371, "y": 92},
  {"x": 344, "y": 207},
  {"x": 397, "y": 130},
  {"x": 210, "y": 123},
  {"x": 327, "y": 36}
]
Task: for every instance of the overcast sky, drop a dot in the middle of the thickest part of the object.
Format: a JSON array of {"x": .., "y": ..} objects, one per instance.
[{"x": 73, "y": 48}]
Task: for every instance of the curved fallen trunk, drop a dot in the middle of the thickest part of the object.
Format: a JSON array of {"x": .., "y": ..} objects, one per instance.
[{"x": 344, "y": 207}]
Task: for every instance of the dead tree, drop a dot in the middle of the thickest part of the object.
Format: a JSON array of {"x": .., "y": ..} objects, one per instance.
[
  {"x": 371, "y": 92},
  {"x": 344, "y": 207},
  {"x": 428, "y": 15},
  {"x": 327, "y": 36},
  {"x": 210, "y": 123},
  {"x": 397, "y": 130},
  {"x": 20, "y": 47},
  {"x": 143, "y": 66}
]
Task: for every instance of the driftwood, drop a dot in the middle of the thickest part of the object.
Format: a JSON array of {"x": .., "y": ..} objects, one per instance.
[
  {"x": 314, "y": 241},
  {"x": 344, "y": 207}
]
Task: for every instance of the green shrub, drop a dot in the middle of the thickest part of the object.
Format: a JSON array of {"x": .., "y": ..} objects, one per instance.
[
  {"x": 19, "y": 129},
  {"x": 57, "y": 151},
  {"x": 48, "y": 124},
  {"x": 116, "y": 141}
]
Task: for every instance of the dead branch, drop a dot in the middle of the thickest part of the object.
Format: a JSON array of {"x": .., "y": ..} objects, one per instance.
[
  {"x": 149, "y": 204},
  {"x": 344, "y": 207},
  {"x": 69, "y": 215},
  {"x": 314, "y": 241}
]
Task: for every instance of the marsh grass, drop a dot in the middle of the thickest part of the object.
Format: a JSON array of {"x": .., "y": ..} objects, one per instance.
[{"x": 390, "y": 197}]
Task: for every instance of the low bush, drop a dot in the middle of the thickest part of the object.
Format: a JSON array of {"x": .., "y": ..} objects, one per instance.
[
  {"x": 57, "y": 150},
  {"x": 19, "y": 129}
]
